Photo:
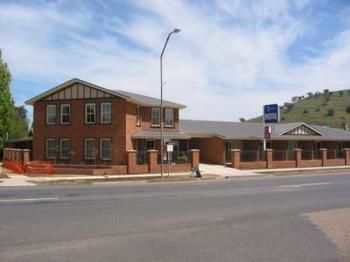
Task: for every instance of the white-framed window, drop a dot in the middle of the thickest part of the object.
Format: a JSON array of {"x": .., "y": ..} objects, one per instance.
[
  {"x": 106, "y": 113},
  {"x": 65, "y": 148},
  {"x": 51, "y": 148},
  {"x": 51, "y": 114},
  {"x": 169, "y": 117},
  {"x": 65, "y": 114},
  {"x": 106, "y": 149},
  {"x": 138, "y": 116},
  {"x": 90, "y": 148},
  {"x": 90, "y": 113},
  {"x": 155, "y": 116}
]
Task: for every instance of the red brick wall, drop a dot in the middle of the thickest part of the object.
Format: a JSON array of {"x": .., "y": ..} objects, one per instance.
[
  {"x": 77, "y": 130},
  {"x": 212, "y": 150},
  {"x": 283, "y": 164},
  {"x": 252, "y": 165}
]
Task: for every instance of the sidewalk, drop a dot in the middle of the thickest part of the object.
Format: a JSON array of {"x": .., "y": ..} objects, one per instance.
[
  {"x": 261, "y": 171},
  {"x": 224, "y": 171}
]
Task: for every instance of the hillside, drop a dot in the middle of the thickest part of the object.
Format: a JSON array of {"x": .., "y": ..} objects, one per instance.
[{"x": 326, "y": 108}]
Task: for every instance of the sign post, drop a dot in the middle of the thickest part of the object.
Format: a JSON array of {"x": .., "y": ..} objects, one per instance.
[
  {"x": 271, "y": 114},
  {"x": 169, "y": 149}
]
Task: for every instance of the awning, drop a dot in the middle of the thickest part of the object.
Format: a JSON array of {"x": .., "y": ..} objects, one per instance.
[{"x": 156, "y": 135}]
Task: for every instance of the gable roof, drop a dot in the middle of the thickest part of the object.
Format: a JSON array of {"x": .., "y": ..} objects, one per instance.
[
  {"x": 254, "y": 131},
  {"x": 128, "y": 96}
]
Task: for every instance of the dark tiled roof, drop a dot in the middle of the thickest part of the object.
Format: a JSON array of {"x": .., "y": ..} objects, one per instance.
[
  {"x": 156, "y": 135},
  {"x": 235, "y": 130}
]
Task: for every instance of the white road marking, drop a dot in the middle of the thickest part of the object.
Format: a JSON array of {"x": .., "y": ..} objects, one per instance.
[
  {"x": 28, "y": 199},
  {"x": 305, "y": 185}
]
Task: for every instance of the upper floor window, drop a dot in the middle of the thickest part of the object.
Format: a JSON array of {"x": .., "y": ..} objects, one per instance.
[
  {"x": 51, "y": 114},
  {"x": 106, "y": 148},
  {"x": 169, "y": 117},
  {"x": 51, "y": 148},
  {"x": 155, "y": 117},
  {"x": 106, "y": 113},
  {"x": 65, "y": 113},
  {"x": 138, "y": 116},
  {"x": 90, "y": 113},
  {"x": 89, "y": 148},
  {"x": 65, "y": 148}
]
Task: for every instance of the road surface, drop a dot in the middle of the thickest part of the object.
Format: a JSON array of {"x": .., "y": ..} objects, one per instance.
[{"x": 256, "y": 219}]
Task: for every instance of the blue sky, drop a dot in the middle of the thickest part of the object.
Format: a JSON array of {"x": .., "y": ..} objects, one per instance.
[{"x": 231, "y": 57}]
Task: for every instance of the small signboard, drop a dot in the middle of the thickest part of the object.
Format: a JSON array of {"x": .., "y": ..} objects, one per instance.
[
  {"x": 271, "y": 113},
  {"x": 170, "y": 147},
  {"x": 267, "y": 132}
]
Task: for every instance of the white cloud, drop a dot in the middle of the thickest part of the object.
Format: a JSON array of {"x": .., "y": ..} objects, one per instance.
[{"x": 229, "y": 59}]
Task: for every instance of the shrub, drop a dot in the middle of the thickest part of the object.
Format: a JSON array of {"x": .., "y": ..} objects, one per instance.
[
  {"x": 305, "y": 111},
  {"x": 330, "y": 112},
  {"x": 347, "y": 109},
  {"x": 317, "y": 110}
]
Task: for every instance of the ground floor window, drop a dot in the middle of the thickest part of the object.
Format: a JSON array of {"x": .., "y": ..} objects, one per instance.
[
  {"x": 229, "y": 145},
  {"x": 106, "y": 148},
  {"x": 90, "y": 148},
  {"x": 51, "y": 148},
  {"x": 65, "y": 148}
]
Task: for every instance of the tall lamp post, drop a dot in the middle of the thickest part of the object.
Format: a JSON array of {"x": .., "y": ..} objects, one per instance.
[{"x": 176, "y": 30}]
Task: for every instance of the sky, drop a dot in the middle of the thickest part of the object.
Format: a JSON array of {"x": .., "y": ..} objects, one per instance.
[{"x": 230, "y": 58}]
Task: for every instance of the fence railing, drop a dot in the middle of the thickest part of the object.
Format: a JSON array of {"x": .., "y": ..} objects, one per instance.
[
  {"x": 283, "y": 155},
  {"x": 178, "y": 157},
  {"x": 335, "y": 154},
  {"x": 310, "y": 154},
  {"x": 141, "y": 157},
  {"x": 252, "y": 155}
]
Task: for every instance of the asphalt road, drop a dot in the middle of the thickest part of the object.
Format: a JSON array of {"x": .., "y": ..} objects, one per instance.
[{"x": 255, "y": 219}]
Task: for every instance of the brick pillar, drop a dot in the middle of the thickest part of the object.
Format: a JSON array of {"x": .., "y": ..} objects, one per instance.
[
  {"x": 297, "y": 153},
  {"x": 235, "y": 158},
  {"x": 268, "y": 156},
  {"x": 25, "y": 156},
  {"x": 323, "y": 152},
  {"x": 347, "y": 156},
  {"x": 152, "y": 160},
  {"x": 194, "y": 157},
  {"x": 131, "y": 161}
]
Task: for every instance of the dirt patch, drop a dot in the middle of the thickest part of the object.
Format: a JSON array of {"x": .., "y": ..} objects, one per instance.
[
  {"x": 165, "y": 179},
  {"x": 335, "y": 224}
]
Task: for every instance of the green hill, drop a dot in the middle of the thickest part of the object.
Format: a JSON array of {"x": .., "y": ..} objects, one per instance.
[{"x": 327, "y": 108}]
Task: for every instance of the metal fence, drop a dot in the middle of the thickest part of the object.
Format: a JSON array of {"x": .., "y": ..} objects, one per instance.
[
  {"x": 177, "y": 157},
  {"x": 252, "y": 155},
  {"x": 283, "y": 155},
  {"x": 310, "y": 154},
  {"x": 141, "y": 157},
  {"x": 335, "y": 154}
]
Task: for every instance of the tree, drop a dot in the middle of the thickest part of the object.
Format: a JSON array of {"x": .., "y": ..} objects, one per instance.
[
  {"x": 330, "y": 112},
  {"x": 7, "y": 112},
  {"x": 242, "y": 119},
  {"x": 309, "y": 94},
  {"x": 325, "y": 91},
  {"x": 13, "y": 121}
]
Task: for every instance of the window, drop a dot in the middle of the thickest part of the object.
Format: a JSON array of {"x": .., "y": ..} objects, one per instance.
[
  {"x": 155, "y": 117},
  {"x": 150, "y": 144},
  {"x": 65, "y": 148},
  {"x": 169, "y": 117},
  {"x": 51, "y": 149},
  {"x": 65, "y": 114},
  {"x": 89, "y": 148},
  {"x": 138, "y": 116},
  {"x": 106, "y": 148},
  {"x": 90, "y": 113},
  {"x": 106, "y": 113},
  {"x": 51, "y": 114}
]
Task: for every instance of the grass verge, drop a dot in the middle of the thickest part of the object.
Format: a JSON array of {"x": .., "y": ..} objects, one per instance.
[{"x": 306, "y": 172}]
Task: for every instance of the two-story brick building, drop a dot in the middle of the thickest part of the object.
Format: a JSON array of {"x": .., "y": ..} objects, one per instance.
[{"x": 81, "y": 123}]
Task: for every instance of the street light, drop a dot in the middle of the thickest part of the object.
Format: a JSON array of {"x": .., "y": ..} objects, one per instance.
[{"x": 176, "y": 30}]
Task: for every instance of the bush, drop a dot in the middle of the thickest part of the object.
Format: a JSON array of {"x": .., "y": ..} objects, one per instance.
[
  {"x": 330, "y": 112},
  {"x": 305, "y": 111},
  {"x": 347, "y": 109},
  {"x": 317, "y": 110}
]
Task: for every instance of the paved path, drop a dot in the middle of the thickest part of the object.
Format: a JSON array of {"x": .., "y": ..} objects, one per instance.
[
  {"x": 224, "y": 171},
  {"x": 244, "y": 219},
  {"x": 13, "y": 179}
]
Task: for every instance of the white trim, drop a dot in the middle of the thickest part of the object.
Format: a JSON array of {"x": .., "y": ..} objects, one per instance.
[
  {"x": 47, "y": 148},
  {"x": 110, "y": 113},
  {"x": 301, "y": 124},
  {"x": 47, "y": 114},
  {"x": 85, "y": 147},
  {"x": 86, "y": 105},
  {"x": 105, "y": 139},
  {"x": 70, "y": 144},
  {"x": 61, "y": 107}
]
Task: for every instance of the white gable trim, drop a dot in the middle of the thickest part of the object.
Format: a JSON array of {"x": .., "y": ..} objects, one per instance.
[
  {"x": 301, "y": 124},
  {"x": 69, "y": 83}
]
